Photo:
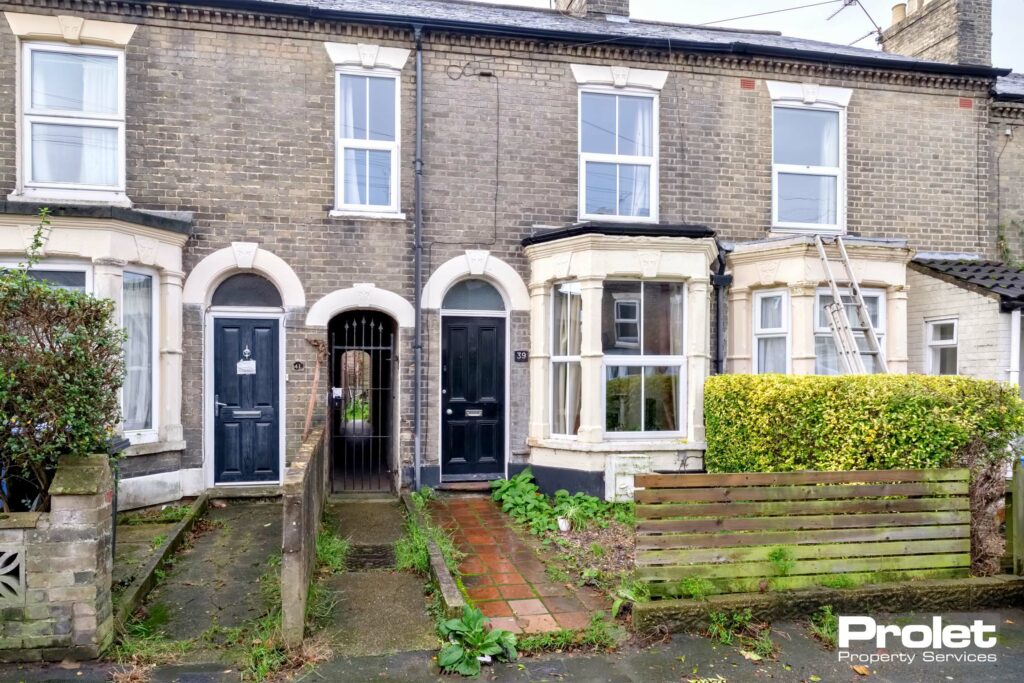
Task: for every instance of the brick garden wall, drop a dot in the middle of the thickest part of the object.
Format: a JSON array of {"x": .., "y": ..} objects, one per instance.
[
  {"x": 55, "y": 569},
  {"x": 234, "y": 122}
]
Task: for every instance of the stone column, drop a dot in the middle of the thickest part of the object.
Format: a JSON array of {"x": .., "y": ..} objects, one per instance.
[
  {"x": 107, "y": 282},
  {"x": 739, "y": 354},
  {"x": 896, "y": 332},
  {"x": 802, "y": 298},
  {"x": 698, "y": 356},
  {"x": 591, "y": 362},
  {"x": 540, "y": 355},
  {"x": 170, "y": 356}
]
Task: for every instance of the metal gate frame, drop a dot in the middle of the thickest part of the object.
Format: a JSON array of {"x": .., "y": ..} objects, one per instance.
[{"x": 364, "y": 458}]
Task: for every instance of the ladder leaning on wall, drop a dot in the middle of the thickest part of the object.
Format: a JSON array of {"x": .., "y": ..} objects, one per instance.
[{"x": 851, "y": 357}]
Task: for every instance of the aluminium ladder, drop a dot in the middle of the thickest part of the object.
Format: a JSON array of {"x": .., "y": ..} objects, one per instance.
[{"x": 851, "y": 357}]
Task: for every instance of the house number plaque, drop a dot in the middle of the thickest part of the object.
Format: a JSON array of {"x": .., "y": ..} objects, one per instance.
[{"x": 521, "y": 356}]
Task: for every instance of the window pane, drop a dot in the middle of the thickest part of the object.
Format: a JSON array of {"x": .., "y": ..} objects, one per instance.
[
  {"x": 568, "y": 305},
  {"x": 566, "y": 398},
  {"x": 943, "y": 331},
  {"x": 807, "y": 198},
  {"x": 355, "y": 176},
  {"x": 661, "y": 399},
  {"x": 826, "y": 358},
  {"x": 622, "y": 399},
  {"x": 602, "y": 188},
  {"x": 636, "y": 120},
  {"x": 806, "y": 137},
  {"x": 620, "y": 323},
  {"x": 473, "y": 295},
  {"x": 74, "y": 154},
  {"x": 380, "y": 177},
  {"x": 872, "y": 301},
  {"x": 634, "y": 190},
  {"x": 353, "y": 107},
  {"x": 771, "y": 354},
  {"x": 65, "y": 279},
  {"x": 945, "y": 360},
  {"x": 771, "y": 313},
  {"x": 382, "y": 109},
  {"x": 70, "y": 82},
  {"x": 663, "y": 318},
  {"x": 138, "y": 351},
  {"x": 597, "y": 117}
]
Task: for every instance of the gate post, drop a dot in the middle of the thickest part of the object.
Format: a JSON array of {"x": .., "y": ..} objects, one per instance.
[{"x": 1017, "y": 519}]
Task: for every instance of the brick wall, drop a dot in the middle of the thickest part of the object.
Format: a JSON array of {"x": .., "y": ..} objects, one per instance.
[
  {"x": 60, "y": 563},
  {"x": 983, "y": 349},
  {"x": 1008, "y": 174},
  {"x": 235, "y": 123},
  {"x": 953, "y": 31}
]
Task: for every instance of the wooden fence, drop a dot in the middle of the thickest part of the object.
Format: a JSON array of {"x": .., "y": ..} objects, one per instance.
[{"x": 756, "y": 532}]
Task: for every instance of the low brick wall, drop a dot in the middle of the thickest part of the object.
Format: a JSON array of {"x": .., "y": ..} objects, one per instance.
[
  {"x": 305, "y": 492},
  {"x": 55, "y": 569}
]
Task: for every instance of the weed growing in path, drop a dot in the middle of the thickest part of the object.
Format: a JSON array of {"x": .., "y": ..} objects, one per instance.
[
  {"x": 598, "y": 635},
  {"x": 331, "y": 551},
  {"x": 739, "y": 628},
  {"x": 825, "y": 626}
]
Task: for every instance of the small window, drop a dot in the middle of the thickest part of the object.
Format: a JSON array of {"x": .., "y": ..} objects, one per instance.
[
  {"x": 771, "y": 332},
  {"x": 73, "y": 280},
  {"x": 807, "y": 169},
  {"x": 826, "y": 357},
  {"x": 73, "y": 118},
  {"x": 247, "y": 289},
  {"x": 368, "y": 142},
  {"x": 473, "y": 295},
  {"x": 618, "y": 156},
  {"x": 566, "y": 344},
  {"x": 644, "y": 374},
  {"x": 942, "y": 338},
  {"x": 138, "y": 315}
]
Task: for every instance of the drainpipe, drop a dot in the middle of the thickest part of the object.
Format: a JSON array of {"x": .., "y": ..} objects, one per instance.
[
  {"x": 417, "y": 344},
  {"x": 720, "y": 281},
  {"x": 1015, "y": 350}
]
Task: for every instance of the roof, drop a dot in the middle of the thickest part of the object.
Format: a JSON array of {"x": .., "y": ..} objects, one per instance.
[
  {"x": 489, "y": 19},
  {"x": 172, "y": 221},
  {"x": 1010, "y": 88},
  {"x": 620, "y": 230},
  {"x": 1007, "y": 282}
]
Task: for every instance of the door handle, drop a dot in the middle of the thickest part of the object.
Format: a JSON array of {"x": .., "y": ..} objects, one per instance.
[
  {"x": 217, "y": 405},
  {"x": 448, "y": 412}
]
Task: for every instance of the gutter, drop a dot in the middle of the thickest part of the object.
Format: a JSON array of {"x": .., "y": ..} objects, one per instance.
[
  {"x": 666, "y": 44},
  {"x": 417, "y": 344}
]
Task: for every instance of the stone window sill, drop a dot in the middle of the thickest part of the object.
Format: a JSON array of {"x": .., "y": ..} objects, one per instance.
[
  {"x": 621, "y": 446},
  {"x": 376, "y": 215},
  {"x": 154, "y": 447}
]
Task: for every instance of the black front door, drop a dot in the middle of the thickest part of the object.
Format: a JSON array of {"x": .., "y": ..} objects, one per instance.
[
  {"x": 472, "y": 398},
  {"x": 246, "y": 389}
]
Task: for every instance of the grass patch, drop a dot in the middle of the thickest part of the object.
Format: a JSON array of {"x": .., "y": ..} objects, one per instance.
[
  {"x": 782, "y": 560},
  {"x": 599, "y": 635},
  {"x": 696, "y": 588},
  {"x": 838, "y": 581},
  {"x": 166, "y": 515},
  {"x": 739, "y": 628},
  {"x": 825, "y": 626},
  {"x": 142, "y": 642},
  {"x": 412, "y": 552},
  {"x": 331, "y": 551},
  {"x": 157, "y": 541},
  {"x": 629, "y": 592}
]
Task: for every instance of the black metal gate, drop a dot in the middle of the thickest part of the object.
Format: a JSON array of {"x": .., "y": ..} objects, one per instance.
[{"x": 362, "y": 419}]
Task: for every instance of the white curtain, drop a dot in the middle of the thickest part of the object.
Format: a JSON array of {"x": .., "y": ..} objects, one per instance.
[
  {"x": 138, "y": 351},
  {"x": 635, "y": 181},
  {"x": 677, "y": 311},
  {"x": 568, "y": 339}
]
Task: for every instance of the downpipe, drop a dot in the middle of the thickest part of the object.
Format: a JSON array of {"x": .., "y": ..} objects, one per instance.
[{"x": 417, "y": 345}]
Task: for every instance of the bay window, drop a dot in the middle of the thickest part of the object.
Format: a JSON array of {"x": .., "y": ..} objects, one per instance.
[
  {"x": 771, "y": 332},
  {"x": 138, "y": 316},
  {"x": 367, "y": 141},
  {"x": 567, "y": 306},
  {"x": 941, "y": 337},
  {"x": 643, "y": 356},
  {"x": 826, "y": 358},
  {"x": 618, "y": 155},
  {"x": 74, "y": 120},
  {"x": 807, "y": 167}
]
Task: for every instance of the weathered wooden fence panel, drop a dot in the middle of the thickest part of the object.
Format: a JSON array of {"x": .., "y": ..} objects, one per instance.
[{"x": 774, "y": 531}]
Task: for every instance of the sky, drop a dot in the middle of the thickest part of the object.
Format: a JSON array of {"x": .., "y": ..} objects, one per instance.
[{"x": 848, "y": 26}]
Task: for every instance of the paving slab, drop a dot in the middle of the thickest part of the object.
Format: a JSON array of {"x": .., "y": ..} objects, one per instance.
[
  {"x": 366, "y": 522},
  {"x": 136, "y": 543},
  {"x": 216, "y": 581}
]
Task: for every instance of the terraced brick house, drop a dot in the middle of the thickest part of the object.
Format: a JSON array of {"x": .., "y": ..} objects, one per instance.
[{"x": 471, "y": 238}]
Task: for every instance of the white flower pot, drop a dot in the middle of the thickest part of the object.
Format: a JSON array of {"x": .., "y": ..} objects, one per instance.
[{"x": 563, "y": 525}]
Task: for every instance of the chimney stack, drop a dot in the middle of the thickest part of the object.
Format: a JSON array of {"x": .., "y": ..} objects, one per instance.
[
  {"x": 594, "y": 8},
  {"x": 952, "y": 31}
]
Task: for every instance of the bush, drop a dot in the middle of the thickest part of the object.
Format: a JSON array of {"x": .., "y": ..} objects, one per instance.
[
  {"x": 61, "y": 369},
  {"x": 785, "y": 423}
]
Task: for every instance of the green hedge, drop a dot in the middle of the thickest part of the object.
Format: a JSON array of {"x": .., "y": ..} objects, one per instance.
[{"x": 782, "y": 423}]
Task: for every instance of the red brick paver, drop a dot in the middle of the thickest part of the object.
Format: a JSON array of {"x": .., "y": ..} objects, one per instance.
[{"x": 503, "y": 575}]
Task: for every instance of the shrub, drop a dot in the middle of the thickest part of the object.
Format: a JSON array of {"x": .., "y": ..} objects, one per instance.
[
  {"x": 61, "y": 368},
  {"x": 785, "y": 423}
]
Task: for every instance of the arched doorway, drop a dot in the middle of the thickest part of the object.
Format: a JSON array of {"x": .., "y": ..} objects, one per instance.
[{"x": 361, "y": 406}]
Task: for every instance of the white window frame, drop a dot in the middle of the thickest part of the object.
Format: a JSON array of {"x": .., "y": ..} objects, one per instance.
[
  {"x": 557, "y": 359},
  {"x": 652, "y": 161},
  {"x": 152, "y": 434},
  {"x": 826, "y": 329},
  {"x": 837, "y": 172},
  {"x": 71, "y": 266},
  {"x": 393, "y": 208},
  {"x": 761, "y": 332},
  {"x": 622, "y": 341},
  {"x": 932, "y": 345},
  {"x": 645, "y": 361},
  {"x": 30, "y": 115}
]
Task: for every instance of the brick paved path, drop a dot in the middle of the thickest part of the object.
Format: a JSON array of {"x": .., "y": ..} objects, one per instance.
[{"x": 503, "y": 574}]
